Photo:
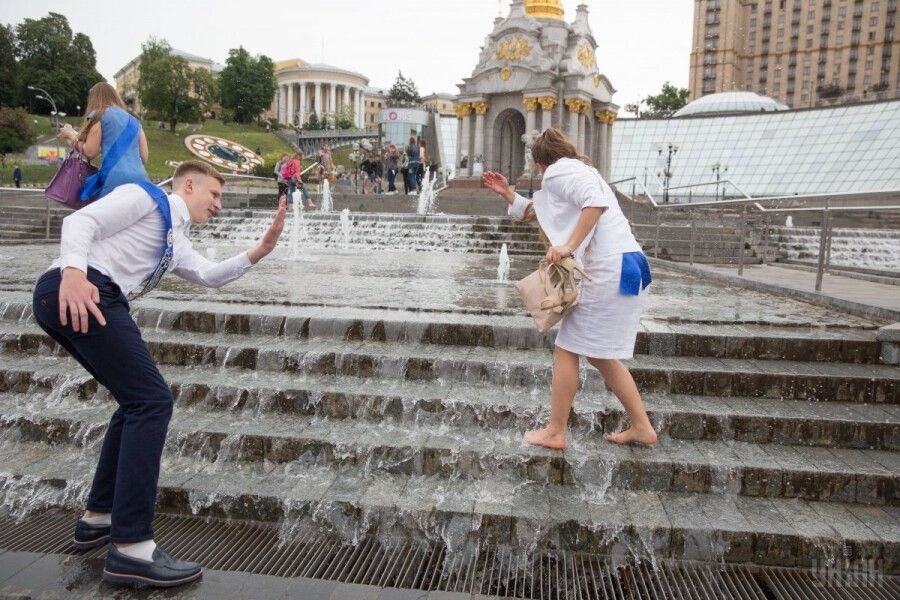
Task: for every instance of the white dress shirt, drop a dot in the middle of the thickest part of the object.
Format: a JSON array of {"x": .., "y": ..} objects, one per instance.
[
  {"x": 121, "y": 235},
  {"x": 568, "y": 187}
]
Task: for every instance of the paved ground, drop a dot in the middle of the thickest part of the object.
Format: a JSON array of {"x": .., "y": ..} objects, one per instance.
[{"x": 848, "y": 289}]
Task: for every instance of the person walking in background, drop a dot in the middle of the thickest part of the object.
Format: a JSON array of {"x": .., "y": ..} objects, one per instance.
[
  {"x": 282, "y": 184},
  {"x": 580, "y": 215},
  {"x": 423, "y": 157},
  {"x": 112, "y": 252},
  {"x": 109, "y": 130},
  {"x": 412, "y": 153},
  {"x": 290, "y": 173},
  {"x": 17, "y": 177},
  {"x": 404, "y": 171},
  {"x": 392, "y": 160}
]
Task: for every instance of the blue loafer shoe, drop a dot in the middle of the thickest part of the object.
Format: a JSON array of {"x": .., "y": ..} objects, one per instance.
[
  {"x": 162, "y": 571},
  {"x": 89, "y": 536}
]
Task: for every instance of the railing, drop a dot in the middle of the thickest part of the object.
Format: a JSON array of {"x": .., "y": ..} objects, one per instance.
[{"x": 746, "y": 203}]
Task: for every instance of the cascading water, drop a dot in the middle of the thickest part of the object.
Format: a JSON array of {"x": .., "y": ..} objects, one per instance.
[
  {"x": 503, "y": 266},
  {"x": 298, "y": 226},
  {"x": 346, "y": 228},
  {"x": 326, "y": 204}
]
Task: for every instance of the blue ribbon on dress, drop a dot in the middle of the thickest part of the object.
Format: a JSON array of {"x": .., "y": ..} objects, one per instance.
[
  {"x": 635, "y": 274},
  {"x": 94, "y": 184},
  {"x": 162, "y": 202}
]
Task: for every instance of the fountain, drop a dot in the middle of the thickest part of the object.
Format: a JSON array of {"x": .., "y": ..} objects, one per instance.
[
  {"x": 789, "y": 221},
  {"x": 326, "y": 203},
  {"x": 298, "y": 227},
  {"x": 346, "y": 228},
  {"x": 503, "y": 266},
  {"x": 427, "y": 195}
]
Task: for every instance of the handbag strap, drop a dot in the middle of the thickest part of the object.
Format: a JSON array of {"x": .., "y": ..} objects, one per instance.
[{"x": 94, "y": 183}]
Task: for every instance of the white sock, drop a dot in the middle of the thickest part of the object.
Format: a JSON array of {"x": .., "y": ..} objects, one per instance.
[
  {"x": 140, "y": 550},
  {"x": 100, "y": 519}
]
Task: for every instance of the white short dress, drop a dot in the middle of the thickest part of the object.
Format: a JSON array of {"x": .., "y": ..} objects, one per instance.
[{"x": 605, "y": 322}]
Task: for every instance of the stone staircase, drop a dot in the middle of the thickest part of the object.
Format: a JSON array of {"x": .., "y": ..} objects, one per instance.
[
  {"x": 779, "y": 444},
  {"x": 18, "y": 223}
]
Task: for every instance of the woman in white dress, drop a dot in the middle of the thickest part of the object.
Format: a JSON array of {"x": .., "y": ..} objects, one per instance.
[{"x": 580, "y": 215}]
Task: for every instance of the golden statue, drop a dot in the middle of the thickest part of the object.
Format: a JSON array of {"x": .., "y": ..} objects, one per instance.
[{"x": 545, "y": 9}]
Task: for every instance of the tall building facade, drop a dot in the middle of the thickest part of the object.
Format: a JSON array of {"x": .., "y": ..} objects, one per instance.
[{"x": 803, "y": 53}]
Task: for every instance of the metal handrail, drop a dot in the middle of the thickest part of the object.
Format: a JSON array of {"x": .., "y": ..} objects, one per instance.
[{"x": 748, "y": 202}]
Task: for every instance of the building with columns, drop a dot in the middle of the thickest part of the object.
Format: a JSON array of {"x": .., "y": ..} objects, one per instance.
[
  {"x": 535, "y": 71},
  {"x": 305, "y": 88}
]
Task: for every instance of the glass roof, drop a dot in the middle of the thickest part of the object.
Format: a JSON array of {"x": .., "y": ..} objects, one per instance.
[{"x": 730, "y": 102}]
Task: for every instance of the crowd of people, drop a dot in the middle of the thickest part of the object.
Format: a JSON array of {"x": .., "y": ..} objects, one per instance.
[{"x": 410, "y": 164}]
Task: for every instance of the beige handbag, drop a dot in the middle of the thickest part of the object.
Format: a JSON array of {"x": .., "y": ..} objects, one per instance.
[{"x": 551, "y": 291}]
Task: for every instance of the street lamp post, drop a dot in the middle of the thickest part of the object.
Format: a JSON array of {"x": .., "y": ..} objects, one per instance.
[
  {"x": 667, "y": 173},
  {"x": 56, "y": 115},
  {"x": 718, "y": 168}
]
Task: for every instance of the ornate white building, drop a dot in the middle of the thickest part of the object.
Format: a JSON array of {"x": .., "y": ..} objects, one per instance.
[
  {"x": 535, "y": 71},
  {"x": 304, "y": 88}
]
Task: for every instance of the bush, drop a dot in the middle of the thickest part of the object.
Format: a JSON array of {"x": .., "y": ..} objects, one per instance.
[
  {"x": 15, "y": 130},
  {"x": 268, "y": 168}
]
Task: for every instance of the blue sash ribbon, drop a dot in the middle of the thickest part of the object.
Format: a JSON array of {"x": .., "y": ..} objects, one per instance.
[
  {"x": 635, "y": 274},
  {"x": 162, "y": 202},
  {"x": 94, "y": 184}
]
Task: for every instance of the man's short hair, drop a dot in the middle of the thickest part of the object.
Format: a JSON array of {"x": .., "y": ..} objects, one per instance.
[{"x": 199, "y": 167}]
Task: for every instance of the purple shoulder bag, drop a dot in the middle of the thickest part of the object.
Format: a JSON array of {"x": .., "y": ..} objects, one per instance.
[{"x": 65, "y": 187}]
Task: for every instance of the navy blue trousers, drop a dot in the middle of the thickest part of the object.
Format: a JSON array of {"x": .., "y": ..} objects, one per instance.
[{"x": 117, "y": 357}]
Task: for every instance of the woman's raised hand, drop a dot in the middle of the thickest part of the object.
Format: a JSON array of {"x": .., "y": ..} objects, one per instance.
[{"x": 497, "y": 183}]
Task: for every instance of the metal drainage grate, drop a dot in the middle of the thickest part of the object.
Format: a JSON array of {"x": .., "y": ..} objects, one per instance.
[{"x": 256, "y": 548}]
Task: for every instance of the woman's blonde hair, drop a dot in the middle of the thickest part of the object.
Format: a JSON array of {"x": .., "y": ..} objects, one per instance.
[
  {"x": 101, "y": 97},
  {"x": 553, "y": 145}
]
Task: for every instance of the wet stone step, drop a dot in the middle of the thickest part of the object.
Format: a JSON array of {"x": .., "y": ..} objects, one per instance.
[
  {"x": 658, "y": 338},
  {"x": 789, "y": 422},
  {"x": 416, "y": 362},
  {"x": 768, "y": 470},
  {"x": 708, "y": 527}
]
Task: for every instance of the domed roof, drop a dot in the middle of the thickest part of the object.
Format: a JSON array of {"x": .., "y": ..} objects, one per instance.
[{"x": 730, "y": 102}]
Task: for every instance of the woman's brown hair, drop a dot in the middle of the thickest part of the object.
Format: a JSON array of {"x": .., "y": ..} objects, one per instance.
[
  {"x": 553, "y": 145},
  {"x": 101, "y": 97}
]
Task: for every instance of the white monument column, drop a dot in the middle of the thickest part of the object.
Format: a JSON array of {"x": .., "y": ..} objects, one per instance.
[
  {"x": 547, "y": 103},
  {"x": 463, "y": 113},
  {"x": 574, "y": 107},
  {"x": 290, "y": 104},
  {"x": 481, "y": 107},
  {"x": 302, "y": 103},
  {"x": 332, "y": 98},
  {"x": 282, "y": 109},
  {"x": 609, "y": 130},
  {"x": 531, "y": 106},
  {"x": 361, "y": 107},
  {"x": 318, "y": 99},
  {"x": 582, "y": 133},
  {"x": 345, "y": 100}
]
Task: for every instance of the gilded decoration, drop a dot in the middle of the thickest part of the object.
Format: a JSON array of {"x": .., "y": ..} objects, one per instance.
[
  {"x": 547, "y": 102},
  {"x": 577, "y": 105},
  {"x": 544, "y": 9},
  {"x": 505, "y": 73},
  {"x": 513, "y": 49},
  {"x": 480, "y": 108},
  {"x": 530, "y": 104},
  {"x": 606, "y": 116},
  {"x": 463, "y": 109},
  {"x": 597, "y": 80},
  {"x": 586, "y": 56}
]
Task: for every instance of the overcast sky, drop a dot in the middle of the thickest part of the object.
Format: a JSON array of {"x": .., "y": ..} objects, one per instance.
[{"x": 642, "y": 43}]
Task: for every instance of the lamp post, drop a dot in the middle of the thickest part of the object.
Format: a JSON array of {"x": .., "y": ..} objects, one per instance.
[
  {"x": 56, "y": 114},
  {"x": 718, "y": 168},
  {"x": 667, "y": 173}
]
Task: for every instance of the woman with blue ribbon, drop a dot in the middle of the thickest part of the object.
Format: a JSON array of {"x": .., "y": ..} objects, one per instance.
[
  {"x": 580, "y": 215},
  {"x": 109, "y": 130}
]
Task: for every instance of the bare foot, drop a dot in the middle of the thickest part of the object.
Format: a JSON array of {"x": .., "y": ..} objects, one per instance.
[
  {"x": 543, "y": 437},
  {"x": 634, "y": 435}
]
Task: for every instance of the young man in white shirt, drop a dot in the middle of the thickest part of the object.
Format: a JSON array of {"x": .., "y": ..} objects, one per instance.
[{"x": 110, "y": 253}]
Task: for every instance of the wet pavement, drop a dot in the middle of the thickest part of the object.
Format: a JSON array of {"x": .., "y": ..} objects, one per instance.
[{"x": 436, "y": 282}]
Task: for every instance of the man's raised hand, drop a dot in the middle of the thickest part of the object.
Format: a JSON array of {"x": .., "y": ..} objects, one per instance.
[{"x": 270, "y": 237}]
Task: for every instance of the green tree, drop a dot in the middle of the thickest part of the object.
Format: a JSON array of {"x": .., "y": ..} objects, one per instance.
[
  {"x": 669, "y": 100},
  {"x": 8, "y": 67},
  {"x": 247, "y": 84},
  {"x": 166, "y": 85},
  {"x": 404, "y": 92},
  {"x": 52, "y": 58},
  {"x": 314, "y": 123},
  {"x": 205, "y": 88},
  {"x": 15, "y": 130}
]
